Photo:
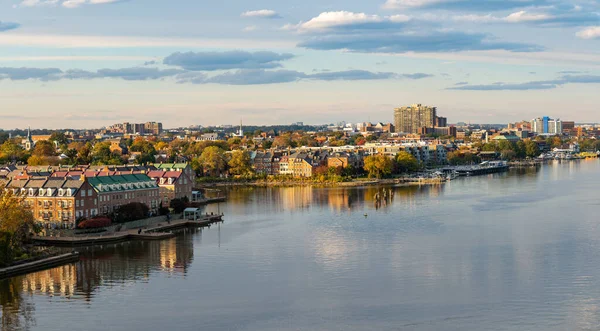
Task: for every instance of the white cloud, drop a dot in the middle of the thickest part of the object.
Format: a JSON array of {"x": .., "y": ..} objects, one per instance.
[
  {"x": 592, "y": 32},
  {"x": 397, "y": 4},
  {"x": 263, "y": 13},
  {"x": 73, "y": 3},
  {"x": 328, "y": 20},
  {"x": 35, "y": 3},
  {"x": 523, "y": 16},
  {"x": 83, "y": 41},
  {"x": 64, "y": 3},
  {"x": 517, "y": 17}
]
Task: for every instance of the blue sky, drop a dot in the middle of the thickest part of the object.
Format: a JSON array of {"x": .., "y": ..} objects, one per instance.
[{"x": 91, "y": 63}]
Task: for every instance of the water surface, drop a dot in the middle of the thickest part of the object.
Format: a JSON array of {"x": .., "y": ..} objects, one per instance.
[{"x": 515, "y": 251}]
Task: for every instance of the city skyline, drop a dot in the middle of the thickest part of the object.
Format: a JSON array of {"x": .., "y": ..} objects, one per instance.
[{"x": 275, "y": 62}]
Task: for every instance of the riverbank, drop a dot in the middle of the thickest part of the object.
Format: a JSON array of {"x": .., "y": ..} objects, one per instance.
[
  {"x": 38, "y": 265},
  {"x": 353, "y": 183},
  {"x": 158, "y": 231}
]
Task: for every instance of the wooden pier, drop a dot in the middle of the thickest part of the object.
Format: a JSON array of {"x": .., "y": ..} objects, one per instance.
[{"x": 159, "y": 231}]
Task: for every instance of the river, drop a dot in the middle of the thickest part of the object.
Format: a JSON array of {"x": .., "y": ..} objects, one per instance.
[{"x": 513, "y": 251}]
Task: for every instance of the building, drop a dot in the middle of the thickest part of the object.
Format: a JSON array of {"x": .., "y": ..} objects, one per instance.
[
  {"x": 546, "y": 125},
  {"x": 115, "y": 191},
  {"x": 174, "y": 182},
  {"x": 441, "y": 122},
  {"x": 57, "y": 202},
  {"x": 411, "y": 119},
  {"x": 153, "y": 128},
  {"x": 568, "y": 127}
]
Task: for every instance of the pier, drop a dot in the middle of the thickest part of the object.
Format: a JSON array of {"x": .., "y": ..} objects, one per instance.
[
  {"x": 482, "y": 168},
  {"x": 159, "y": 231}
]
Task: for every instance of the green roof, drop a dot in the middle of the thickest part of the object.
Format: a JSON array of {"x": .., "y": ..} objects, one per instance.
[
  {"x": 105, "y": 182},
  {"x": 171, "y": 166}
]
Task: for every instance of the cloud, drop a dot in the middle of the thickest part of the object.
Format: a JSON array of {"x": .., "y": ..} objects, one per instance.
[
  {"x": 534, "y": 85},
  {"x": 436, "y": 41},
  {"x": 5, "y": 26},
  {"x": 261, "y": 77},
  {"x": 29, "y": 73},
  {"x": 209, "y": 61},
  {"x": 263, "y": 13},
  {"x": 461, "y": 83},
  {"x": 541, "y": 19},
  {"x": 55, "y": 74},
  {"x": 347, "y": 20},
  {"x": 137, "y": 73},
  {"x": 465, "y": 5},
  {"x": 65, "y": 3},
  {"x": 592, "y": 32},
  {"x": 238, "y": 77}
]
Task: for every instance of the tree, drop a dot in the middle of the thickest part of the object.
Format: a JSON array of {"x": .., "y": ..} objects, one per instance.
[
  {"x": 406, "y": 162},
  {"x": 11, "y": 151},
  {"x": 531, "y": 149},
  {"x": 378, "y": 165},
  {"x": 213, "y": 160},
  {"x": 240, "y": 163},
  {"x": 59, "y": 137},
  {"x": 44, "y": 148},
  {"x": 16, "y": 222}
]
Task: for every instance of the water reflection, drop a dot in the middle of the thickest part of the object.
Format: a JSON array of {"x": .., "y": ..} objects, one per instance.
[{"x": 99, "y": 267}]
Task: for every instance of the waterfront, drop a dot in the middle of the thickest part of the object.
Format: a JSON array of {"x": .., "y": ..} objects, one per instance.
[{"x": 510, "y": 251}]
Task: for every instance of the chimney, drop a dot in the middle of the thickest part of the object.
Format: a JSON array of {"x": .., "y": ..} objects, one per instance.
[{"x": 82, "y": 177}]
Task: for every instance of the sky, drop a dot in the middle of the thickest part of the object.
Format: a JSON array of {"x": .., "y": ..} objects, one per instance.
[{"x": 92, "y": 63}]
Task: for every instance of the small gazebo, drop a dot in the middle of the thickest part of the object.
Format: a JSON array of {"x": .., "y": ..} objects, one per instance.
[{"x": 192, "y": 214}]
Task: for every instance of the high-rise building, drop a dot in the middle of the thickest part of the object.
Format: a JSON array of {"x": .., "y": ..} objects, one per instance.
[
  {"x": 411, "y": 119},
  {"x": 441, "y": 122},
  {"x": 546, "y": 125}
]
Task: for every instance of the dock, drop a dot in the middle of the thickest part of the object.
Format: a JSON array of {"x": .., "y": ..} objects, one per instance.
[
  {"x": 159, "y": 231},
  {"x": 482, "y": 169}
]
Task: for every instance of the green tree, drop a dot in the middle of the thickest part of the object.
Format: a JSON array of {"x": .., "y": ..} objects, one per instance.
[
  {"x": 59, "y": 137},
  {"x": 532, "y": 149},
  {"x": 213, "y": 161},
  {"x": 240, "y": 163},
  {"x": 406, "y": 162},
  {"x": 378, "y": 166}
]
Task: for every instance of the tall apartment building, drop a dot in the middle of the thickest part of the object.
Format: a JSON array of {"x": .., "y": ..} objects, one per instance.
[
  {"x": 411, "y": 119},
  {"x": 546, "y": 125},
  {"x": 137, "y": 128}
]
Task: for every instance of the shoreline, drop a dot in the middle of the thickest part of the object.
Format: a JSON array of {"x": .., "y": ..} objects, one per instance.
[
  {"x": 354, "y": 183},
  {"x": 39, "y": 265}
]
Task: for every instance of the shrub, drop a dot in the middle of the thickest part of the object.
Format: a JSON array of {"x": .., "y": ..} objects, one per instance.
[
  {"x": 131, "y": 212},
  {"x": 95, "y": 223}
]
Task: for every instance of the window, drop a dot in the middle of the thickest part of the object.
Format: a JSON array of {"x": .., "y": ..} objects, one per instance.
[
  {"x": 76, "y": 203},
  {"x": 82, "y": 193},
  {"x": 89, "y": 193}
]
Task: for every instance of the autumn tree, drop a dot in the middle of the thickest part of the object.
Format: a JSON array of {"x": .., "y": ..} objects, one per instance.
[
  {"x": 213, "y": 161},
  {"x": 16, "y": 222},
  {"x": 378, "y": 166},
  {"x": 240, "y": 163},
  {"x": 406, "y": 162}
]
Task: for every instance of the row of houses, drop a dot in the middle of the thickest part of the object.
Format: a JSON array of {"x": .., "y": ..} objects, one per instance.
[
  {"x": 303, "y": 162},
  {"x": 60, "y": 196}
]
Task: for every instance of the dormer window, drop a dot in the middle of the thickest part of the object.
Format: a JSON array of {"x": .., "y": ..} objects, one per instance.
[
  {"x": 69, "y": 192},
  {"x": 170, "y": 181},
  {"x": 41, "y": 192},
  {"x": 162, "y": 180},
  {"x": 49, "y": 192},
  {"x": 61, "y": 192}
]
